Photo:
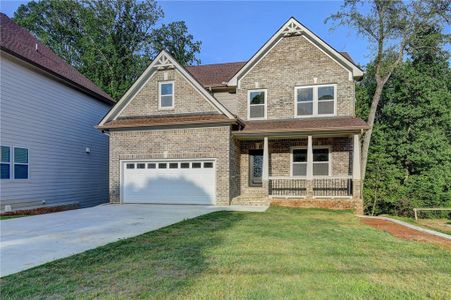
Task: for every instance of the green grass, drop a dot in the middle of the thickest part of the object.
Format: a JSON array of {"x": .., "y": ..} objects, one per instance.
[
  {"x": 11, "y": 217},
  {"x": 284, "y": 253}
]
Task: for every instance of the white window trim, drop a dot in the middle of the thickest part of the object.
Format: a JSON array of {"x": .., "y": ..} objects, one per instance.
[
  {"x": 314, "y": 147},
  {"x": 12, "y": 172},
  {"x": 315, "y": 100},
  {"x": 249, "y": 104},
  {"x": 159, "y": 95}
]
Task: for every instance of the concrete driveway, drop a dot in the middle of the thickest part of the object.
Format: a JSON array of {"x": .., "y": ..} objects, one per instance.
[{"x": 31, "y": 241}]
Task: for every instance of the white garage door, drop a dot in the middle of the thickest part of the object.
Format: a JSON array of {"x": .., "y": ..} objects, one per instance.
[{"x": 169, "y": 182}]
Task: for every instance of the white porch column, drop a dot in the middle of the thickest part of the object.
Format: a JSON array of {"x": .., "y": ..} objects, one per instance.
[
  {"x": 356, "y": 158},
  {"x": 265, "y": 173},
  {"x": 310, "y": 158}
]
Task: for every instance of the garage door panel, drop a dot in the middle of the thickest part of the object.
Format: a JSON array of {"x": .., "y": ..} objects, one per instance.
[{"x": 169, "y": 186}]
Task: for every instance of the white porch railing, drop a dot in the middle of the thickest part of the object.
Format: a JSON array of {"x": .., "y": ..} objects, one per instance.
[{"x": 317, "y": 187}]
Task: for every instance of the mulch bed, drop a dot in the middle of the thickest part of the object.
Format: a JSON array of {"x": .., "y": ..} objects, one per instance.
[
  {"x": 405, "y": 232},
  {"x": 42, "y": 210}
]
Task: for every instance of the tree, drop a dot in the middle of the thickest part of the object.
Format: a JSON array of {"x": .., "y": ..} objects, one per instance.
[
  {"x": 409, "y": 161},
  {"x": 110, "y": 42},
  {"x": 176, "y": 39},
  {"x": 390, "y": 26}
]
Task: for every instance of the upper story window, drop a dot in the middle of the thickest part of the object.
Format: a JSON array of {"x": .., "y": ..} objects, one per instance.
[
  {"x": 256, "y": 104},
  {"x": 166, "y": 95},
  {"x": 319, "y": 100}
]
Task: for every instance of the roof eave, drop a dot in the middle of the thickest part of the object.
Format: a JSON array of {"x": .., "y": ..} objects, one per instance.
[{"x": 60, "y": 77}]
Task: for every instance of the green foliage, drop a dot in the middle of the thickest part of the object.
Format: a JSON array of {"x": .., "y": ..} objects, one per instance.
[
  {"x": 110, "y": 42},
  {"x": 409, "y": 162}
]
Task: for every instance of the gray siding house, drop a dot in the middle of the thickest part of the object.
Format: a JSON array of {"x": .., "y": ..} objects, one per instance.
[{"x": 51, "y": 152}]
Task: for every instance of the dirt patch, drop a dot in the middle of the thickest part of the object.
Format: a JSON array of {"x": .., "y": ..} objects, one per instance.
[{"x": 405, "y": 232}]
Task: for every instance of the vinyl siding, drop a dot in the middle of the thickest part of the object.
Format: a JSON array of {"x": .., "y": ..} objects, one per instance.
[
  {"x": 229, "y": 100},
  {"x": 56, "y": 123}
]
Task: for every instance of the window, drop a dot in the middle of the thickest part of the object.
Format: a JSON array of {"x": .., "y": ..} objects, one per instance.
[
  {"x": 315, "y": 100},
  {"x": 140, "y": 166},
  {"x": 20, "y": 163},
  {"x": 130, "y": 166},
  {"x": 208, "y": 165},
  {"x": 151, "y": 166},
  {"x": 299, "y": 167},
  {"x": 162, "y": 166},
  {"x": 166, "y": 94},
  {"x": 173, "y": 165},
  {"x": 257, "y": 104},
  {"x": 5, "y": 171},
  {"x": 184, "y": 165},
  {"x": 196, "y": 165},
  {"x": 321, "y": 162}
]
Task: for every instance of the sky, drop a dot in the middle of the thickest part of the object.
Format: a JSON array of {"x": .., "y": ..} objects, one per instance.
[{"x": 234, "y": 30}]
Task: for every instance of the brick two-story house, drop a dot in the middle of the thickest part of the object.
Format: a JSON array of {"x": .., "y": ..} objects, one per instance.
[{"x": 278, "y": 128}]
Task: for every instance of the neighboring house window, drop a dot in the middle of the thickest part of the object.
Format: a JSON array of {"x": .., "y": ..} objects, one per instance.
[
  {"x": 20, "y": 163},
  {"x": 257, "y": 104},
  {"x": 316, "y": 100},
  {"x": 321, "y": 162},
  {"x": 166, "y": 94},
  {"x": 5, "y": 171}
]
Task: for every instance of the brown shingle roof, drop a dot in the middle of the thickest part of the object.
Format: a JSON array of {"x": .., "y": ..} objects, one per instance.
[
  {"x": 167, "y": 121},
  {"x": 311, "y": 124},
  {"x": 19, "y": 42},
  {"x": 215, "y": 75}
]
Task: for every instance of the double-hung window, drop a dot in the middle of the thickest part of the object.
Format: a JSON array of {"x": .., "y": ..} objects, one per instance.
[
  {"x": 321, "y": 161},
  {"x": 20, "y": 163},
  {"x": 319, "y": 100},
  {"x": 166, "y": 95},
  {"x": 256, "y": 104},
  {"x": 299, "y": 162},
  {"x": 5, "y": 167}
]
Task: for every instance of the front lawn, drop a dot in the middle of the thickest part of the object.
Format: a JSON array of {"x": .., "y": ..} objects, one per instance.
[
  {"x": 11, "y": 217},
  {"x": 283, "y": 253}
]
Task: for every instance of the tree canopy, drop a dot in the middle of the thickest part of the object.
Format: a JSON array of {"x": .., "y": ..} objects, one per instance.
[
  {"x": 110, "y": 42},
  {"x": 409, "y": 162}
]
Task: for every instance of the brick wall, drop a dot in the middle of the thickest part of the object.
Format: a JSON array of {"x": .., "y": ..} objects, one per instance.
[
  {"x": 187, "y": 99},
  {"x": 294, "y": 61},
  {"x": 211, "y": 142}
]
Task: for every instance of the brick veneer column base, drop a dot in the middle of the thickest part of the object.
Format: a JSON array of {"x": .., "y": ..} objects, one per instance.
[{"x": 353, "y": 204}]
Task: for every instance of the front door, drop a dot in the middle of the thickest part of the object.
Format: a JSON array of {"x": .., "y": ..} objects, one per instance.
[{"x": 255, "y": 167}]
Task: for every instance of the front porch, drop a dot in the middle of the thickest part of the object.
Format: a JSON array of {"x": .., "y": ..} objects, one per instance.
[{"x": 300, "y": 170}]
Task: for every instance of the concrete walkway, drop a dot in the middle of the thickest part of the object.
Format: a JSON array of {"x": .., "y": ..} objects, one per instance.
[{"x": 31, "y": 241}]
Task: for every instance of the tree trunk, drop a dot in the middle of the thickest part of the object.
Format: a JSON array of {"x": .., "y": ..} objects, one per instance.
[{"x": 371, "y": 117}]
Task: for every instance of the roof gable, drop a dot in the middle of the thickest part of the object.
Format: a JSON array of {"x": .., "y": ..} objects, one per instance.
[
  {"x": 163, "y": 61},
  {"x": 294, "y": 27}
]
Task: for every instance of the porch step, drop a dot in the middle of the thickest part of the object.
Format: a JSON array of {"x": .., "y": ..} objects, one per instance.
[{"x": 252, "y": 200}]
